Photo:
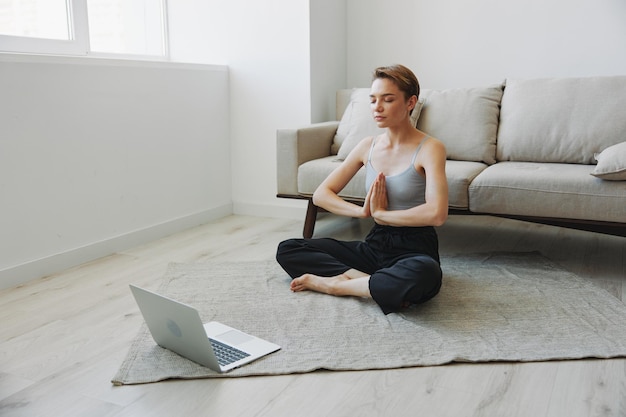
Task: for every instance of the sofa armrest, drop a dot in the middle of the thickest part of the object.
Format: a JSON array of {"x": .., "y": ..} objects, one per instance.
[{"x": 297, "y": 146}]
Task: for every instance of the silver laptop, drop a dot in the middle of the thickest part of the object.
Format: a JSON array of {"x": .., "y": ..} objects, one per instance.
[{"x": 178, "y": 327}]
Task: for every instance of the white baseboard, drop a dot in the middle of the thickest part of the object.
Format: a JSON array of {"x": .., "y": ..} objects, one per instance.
[{"x": 20, "y": 274}]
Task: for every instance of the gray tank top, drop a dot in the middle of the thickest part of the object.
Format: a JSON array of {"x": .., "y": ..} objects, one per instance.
[{"x": 404, "y": 190}]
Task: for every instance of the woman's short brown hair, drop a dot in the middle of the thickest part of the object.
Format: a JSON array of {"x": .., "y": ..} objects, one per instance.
[{"x": 402, "y": 77}]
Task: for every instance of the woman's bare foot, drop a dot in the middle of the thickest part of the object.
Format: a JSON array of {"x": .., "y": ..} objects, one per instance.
[
  {"x": 351, "y": 282},
  {"x": 326, "y": 285}
]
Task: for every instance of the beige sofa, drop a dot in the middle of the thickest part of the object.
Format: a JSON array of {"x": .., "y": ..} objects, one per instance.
[{"x": 551, "y": 151}]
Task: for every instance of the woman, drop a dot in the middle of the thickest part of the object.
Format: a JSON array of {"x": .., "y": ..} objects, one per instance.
[{"x": 407, "y": 194}]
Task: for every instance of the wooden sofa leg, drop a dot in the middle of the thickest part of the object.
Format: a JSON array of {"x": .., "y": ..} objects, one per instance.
[{"x": 309, "y": 220}]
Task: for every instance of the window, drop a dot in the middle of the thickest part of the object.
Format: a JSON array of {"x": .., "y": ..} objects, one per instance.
[
  {"x": 34, "y": 18},
  {"x": 84, "y": 27}
]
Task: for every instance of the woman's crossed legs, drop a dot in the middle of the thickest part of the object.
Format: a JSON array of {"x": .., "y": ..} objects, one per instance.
[{"x": 353, "y": 269}]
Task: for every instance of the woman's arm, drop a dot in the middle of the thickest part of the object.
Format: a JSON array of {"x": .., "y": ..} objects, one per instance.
[
  {"x": 434, "y": 211},
  {"x": 327, "y": 194}
]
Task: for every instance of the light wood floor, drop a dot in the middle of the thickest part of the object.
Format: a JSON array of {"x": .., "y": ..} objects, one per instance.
[{"x": 63, "y": 337}]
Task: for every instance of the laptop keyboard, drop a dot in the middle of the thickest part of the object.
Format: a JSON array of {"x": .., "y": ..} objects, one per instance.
[{"x": 226, "y": 354}]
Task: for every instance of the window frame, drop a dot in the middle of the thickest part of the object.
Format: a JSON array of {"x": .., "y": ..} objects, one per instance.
[{"x": 78, "y": 44}]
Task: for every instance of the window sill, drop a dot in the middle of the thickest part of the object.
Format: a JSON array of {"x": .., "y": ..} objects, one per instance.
[{"x": 105, "y": 60}]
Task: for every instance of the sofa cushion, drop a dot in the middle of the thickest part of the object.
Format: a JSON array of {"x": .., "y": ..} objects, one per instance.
[
  {"x": 459, "y": 174},
  {"x": 464, "y": 119},
  {"x": 564, "y": 120},
  {"x": 547, "y": 190},
  {"x": 611, "y": 163},
  {"x": 357, "y": 123}
]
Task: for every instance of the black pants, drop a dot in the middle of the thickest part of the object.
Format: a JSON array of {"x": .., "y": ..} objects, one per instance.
[{"x": 403, "y": 262}]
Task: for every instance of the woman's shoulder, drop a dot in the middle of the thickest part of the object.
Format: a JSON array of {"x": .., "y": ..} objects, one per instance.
[
  {"x": 432, "y": 142},
  {"x": 432, "y": 149}
]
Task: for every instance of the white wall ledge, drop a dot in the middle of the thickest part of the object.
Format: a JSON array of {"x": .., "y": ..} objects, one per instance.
[{"x": 102, "y": 60}]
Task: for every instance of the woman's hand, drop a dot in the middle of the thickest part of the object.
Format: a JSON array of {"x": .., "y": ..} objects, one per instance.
[
  {"x": 378, "y": 197},
  {"x": 365, "y": 209}
]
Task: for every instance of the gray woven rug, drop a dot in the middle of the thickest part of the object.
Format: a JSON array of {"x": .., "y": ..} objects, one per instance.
[{"x": 492, "y": 307}]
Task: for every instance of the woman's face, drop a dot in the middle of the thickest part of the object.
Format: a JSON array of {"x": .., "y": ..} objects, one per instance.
[{"x": 389, "y": 106}]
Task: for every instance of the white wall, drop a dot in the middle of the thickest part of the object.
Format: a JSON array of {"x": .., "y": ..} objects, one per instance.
[
  {"x": 269, "y": 69},
  {"x": 198, "y": 31},
  {"x": 286, "y": 60},
  {"x": 99, "y": 155},
  {"x": 328, "y": 49},
  {"x": 456, "y": 43}
]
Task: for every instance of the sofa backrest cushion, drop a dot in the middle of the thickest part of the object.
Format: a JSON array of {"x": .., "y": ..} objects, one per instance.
[
  {"x": 561, "y": 119},
  {"x": 357, "y": 123},
  {"x": 464, "y": 119},
  {"x": 342, "y": 99}
]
